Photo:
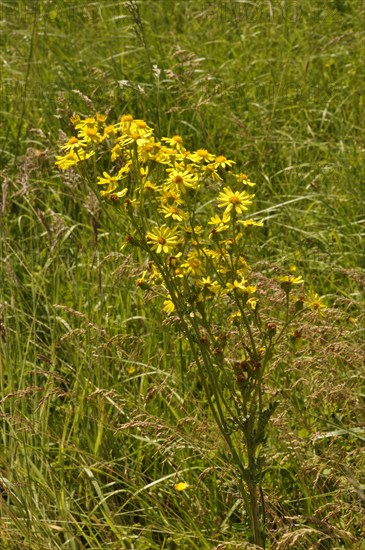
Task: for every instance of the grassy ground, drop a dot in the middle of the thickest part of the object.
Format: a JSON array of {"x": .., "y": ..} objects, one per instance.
[{"x": 101, "y": 413}]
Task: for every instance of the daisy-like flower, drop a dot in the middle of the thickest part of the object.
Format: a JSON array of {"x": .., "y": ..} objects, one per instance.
[
  {"x": 75, "y": 119},
  {"x": 287, "y": 281},
  {"x": 148, "y": 150},
  {"x": 201, "y": 155},
  {"x": 237, "y": 201},
  {"x": 101, "y": 118},
  {"x": 218, "y": 221},
  {"x": 176, "y": 142},
  {"x": 150, "y": 186},
  {"x": 170, "y": 196},
  {"x": 193, "y": 264},
  {"x": 206, "y": 283},
  {"x": 125, "y": 123},
  {"x": 73, "y": 143},
  {"x": 72, "y": 158},
  {"x": 173, "y": 212},
  {"x": 113, "y": 195},
  {"x": 315, "y": 302},
  {"x": 236, "y": 286},
  {"x": 165, "y": 155},
  {"x": 109, "y": 131},
  {"x": 181, "y": 180},
  {"x": 162, "y": 239},
  {"x": 141, "y": 127},
  {"x": 243, "y": 179},
  {"x": 88, "y": 130},
  {"x": 210, "y": 172},
  {"x": 220, "y": 224},
  {"x": 135, "y": 131},
  {"x": 112, "y": 181},
  {"x": 223, "y": 162}
]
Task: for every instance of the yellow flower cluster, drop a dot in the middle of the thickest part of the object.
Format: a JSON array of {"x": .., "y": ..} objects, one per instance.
[{"x": 197, "y": 244}]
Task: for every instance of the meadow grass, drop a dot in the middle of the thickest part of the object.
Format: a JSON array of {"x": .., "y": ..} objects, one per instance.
[{"x": 101, "y": 410}]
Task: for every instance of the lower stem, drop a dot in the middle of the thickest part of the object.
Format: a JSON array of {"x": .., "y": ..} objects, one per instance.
[
  {"x": 253, "y": 488},
  {"x": 255, "y": 516}
]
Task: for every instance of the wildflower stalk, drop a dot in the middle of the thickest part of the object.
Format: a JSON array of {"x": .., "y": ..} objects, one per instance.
[{"x": 198, "y": 264}]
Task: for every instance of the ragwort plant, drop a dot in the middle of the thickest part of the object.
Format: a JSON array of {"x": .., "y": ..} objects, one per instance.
[{"x": 186, "y": 212}]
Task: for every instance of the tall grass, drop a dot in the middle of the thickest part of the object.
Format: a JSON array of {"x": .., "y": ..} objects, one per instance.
[{"x": 101, "y": 412}]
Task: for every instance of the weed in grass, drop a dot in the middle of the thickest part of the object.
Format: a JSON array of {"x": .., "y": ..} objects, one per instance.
[
  {"x": 165, "y": 199},
  {"x": 278, "y": 86}
]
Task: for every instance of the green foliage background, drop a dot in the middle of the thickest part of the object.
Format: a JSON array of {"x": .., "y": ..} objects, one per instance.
[{"x": 101, "y": 413}]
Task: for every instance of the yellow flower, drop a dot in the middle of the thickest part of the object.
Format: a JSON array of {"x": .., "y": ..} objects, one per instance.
[
  {"x": 193, "y": 264},
  {"x": 236, "y": 286},
  {"x": 150, "y": 186},
  {"x": 169, "y": 306},
  {"x": 287, "y": 281},
  {"x": 88, "y": 130},
  {"x": 72, "y": 158},
  {"x": 251, "y": 223},
  {"x": 201, "y": 155},
  {"x": 191, "y": 232},
  {"x": 113, "y": 195},
  {"x": 221, "y": 161},
  {"x": 181, "y": 486},
  {"x": 101, "y": 118},
  {"x": 109, "y": 131},
  {"x": 112, "y": 181},
  {"x": 173, "y": 212},
  {"x": 210, "y": 172},
  {"x": 181, "y": 179},
  {"x": 243, "y": 179},
  {"x": 73, "y": 143},
  {"x": 176, "y": 142},
  {"x": 290, "y": 280},
  {"x": 315, "y": 302},
  {"x": 125, "y": 123},
  {"x": 142, "y": 282},
  {"x": 162, "y": 239},
  {"x": 234, "y": 200},
  {"x": 116, "y": 152},
  {"x": 75, "y": 119},
  {"x": 207, "y": 284},
  {"x": 148, "y": 150},
  {"x": 220, "y": 223},
  {"x": 234, "y": 317},
  {"x": 252, "y": 302},
  {"x": 141, "y": 127},
  {"x": 134, "y": 129},
  {"x": 170, "y": 196}
]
